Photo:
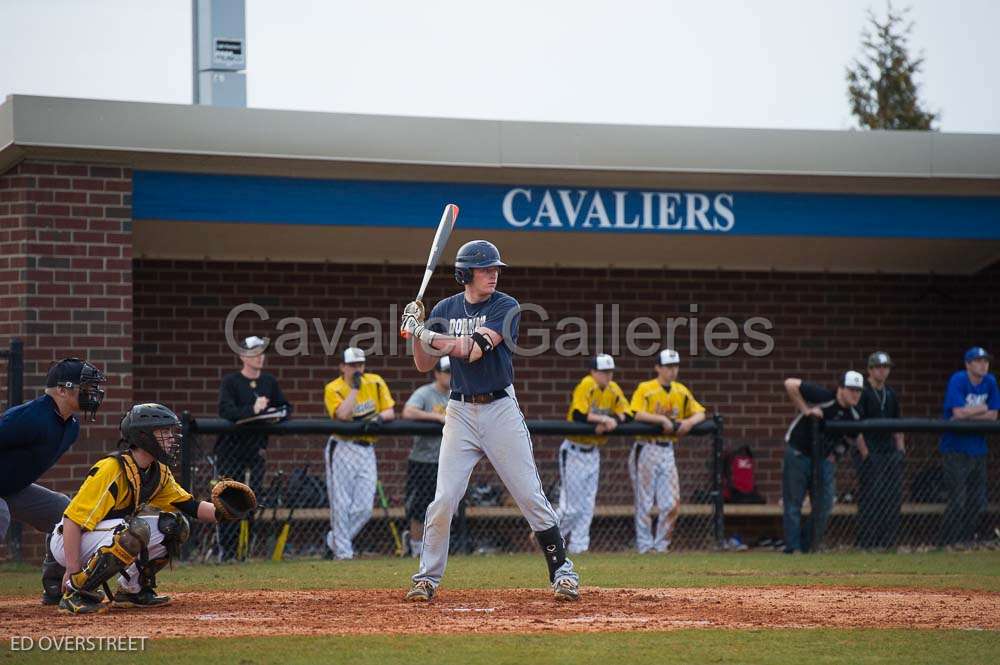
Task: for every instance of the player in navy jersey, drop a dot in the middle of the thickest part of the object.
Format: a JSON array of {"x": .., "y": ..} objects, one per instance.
[{"x": 478, "y": 329}]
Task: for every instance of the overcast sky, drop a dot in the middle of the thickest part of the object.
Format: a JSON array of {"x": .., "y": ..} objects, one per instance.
[{"x": 757, "y": 63}]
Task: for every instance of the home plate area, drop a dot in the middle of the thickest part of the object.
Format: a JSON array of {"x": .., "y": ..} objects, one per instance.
[{"x": 382, "y": 611}]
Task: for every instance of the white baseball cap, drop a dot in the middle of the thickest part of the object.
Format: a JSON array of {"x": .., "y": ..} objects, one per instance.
[
  {"x": 669, "y": 357},
  {"x": 353, "y": 354},
  {"x": 252, "y": 345},
  {"x": 853, "y": 379},
  {"x": 443, "y": 364},
  {"x": 602, "y": 362}
]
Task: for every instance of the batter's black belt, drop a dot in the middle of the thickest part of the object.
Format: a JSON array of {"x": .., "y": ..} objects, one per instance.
[{"x": 482, "y": 398}]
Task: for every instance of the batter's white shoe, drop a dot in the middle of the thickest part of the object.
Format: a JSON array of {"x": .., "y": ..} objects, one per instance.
[
  {"x": 566, "y": 588},
  {"x": 420, "y": 592}
]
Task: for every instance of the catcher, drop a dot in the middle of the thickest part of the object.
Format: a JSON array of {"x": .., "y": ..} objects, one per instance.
[{"x": 130, "y": 518}]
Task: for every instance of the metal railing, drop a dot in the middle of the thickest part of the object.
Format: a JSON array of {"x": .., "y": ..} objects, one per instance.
[
  {"x": 12, "y": 375},
  {"x": 486, "y": 520}
]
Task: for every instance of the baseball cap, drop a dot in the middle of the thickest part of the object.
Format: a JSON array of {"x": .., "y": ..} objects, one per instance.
[
  {"x": 68, "y": 370},
  {"x": 668, "y": 357},
  {"x": 880, "y": 358},
  {"x": 975, "y": 353},
  {"x": 353, "y": 354},
  {"x": 853, "y": 380},
  {"x": 443, "y": 364},
  {"x": 252, "y": 345},
  {"x": 602, "y": 362}
]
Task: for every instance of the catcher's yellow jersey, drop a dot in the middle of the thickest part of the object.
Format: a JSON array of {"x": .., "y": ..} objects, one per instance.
[
  {"x": 373, "y": 398},
  {"x": 115, "y": 489},
  {"x": 674, "y": 401},
  {"x": 588, "y": 397}
]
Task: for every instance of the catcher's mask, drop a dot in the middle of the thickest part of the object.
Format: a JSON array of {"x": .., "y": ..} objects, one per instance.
[
  {"x": 155, "y": 429},
  {"x": 75, "y": 373}
]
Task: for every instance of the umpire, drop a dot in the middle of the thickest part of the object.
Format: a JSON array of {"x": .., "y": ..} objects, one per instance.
[
  {"x": 879, "y": 461},
  {"x": 34, "y": 435},
  {"x": 245, "y": 394}
]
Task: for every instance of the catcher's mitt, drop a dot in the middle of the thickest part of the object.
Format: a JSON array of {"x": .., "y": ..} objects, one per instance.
[{"x": 233, "y": 500}]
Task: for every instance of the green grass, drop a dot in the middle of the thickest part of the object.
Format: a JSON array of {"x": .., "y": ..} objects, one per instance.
[
  {"x": 792, "y": 647},
  {"x": 932, "y": 570}
]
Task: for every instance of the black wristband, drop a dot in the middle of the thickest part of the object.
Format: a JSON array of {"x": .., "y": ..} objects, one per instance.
[{"x": 483, "y": 342}]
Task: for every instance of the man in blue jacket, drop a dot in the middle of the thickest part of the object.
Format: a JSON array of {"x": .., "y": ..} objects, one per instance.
[
  {"x": 34, "y": 435},
  {"x": 972, "y": 395}
]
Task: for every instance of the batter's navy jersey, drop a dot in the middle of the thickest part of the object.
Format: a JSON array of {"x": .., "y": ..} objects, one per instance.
[{"x": 500, "y": 313}]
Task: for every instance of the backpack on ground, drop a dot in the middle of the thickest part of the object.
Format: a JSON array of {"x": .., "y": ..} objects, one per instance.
[{"x": 738, "y": 483}]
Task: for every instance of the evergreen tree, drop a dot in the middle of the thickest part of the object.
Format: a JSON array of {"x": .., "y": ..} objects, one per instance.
[{"x": 881, "y": 86}]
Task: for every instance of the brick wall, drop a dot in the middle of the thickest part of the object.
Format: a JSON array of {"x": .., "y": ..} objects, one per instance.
[
  {"x": 823, "y": 324},
  {"x": 66, "y": 287}
]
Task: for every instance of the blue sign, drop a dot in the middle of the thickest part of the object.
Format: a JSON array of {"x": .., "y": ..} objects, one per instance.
[{"x": 558, "y": 209}]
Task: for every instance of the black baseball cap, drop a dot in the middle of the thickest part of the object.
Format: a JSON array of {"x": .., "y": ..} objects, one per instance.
[{"x": 66, "y": 371}]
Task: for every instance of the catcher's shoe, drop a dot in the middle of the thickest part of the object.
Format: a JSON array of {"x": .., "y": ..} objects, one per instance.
[
  {"x": 145, "y": 598},
  {"x": 420, "y": 592},
  {"x": 566, "y": 588},
  {"x": 81, "y": 602},
  {"x": 51, "y": 598}
]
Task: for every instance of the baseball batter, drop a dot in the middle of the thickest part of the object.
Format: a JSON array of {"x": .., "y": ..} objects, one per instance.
[
  {"x": 597, "y": 400},
  {"x": 477, "y": 329},
  {"x": 665, "y": 402}
]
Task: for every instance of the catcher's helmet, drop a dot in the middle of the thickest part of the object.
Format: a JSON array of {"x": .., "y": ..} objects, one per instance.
[
  {"x": 142, "y": 428},
  {"x": 475, "y": 254}
]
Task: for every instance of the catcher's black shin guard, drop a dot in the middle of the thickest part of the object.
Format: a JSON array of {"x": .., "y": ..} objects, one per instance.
[
  {"x": 130, "y": 538},
  {"x": 52, "y": 576},
  {"x": 554, "y": 549}
]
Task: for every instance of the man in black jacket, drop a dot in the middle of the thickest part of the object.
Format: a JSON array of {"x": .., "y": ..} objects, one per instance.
[
  {"x": 879, "y": 461},
  {"x": 244, "y": 394},
  {"x": 815, "y": 402}
]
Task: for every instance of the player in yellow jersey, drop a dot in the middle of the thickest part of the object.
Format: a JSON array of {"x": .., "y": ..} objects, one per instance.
[
  {"x": 129, "y": 517},
  {"x": 664, "y": 402},
  {"x": 599, "y": 401},
  {"x": 351, "y": 472}
]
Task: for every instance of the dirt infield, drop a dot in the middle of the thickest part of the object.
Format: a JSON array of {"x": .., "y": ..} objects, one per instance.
[{"x": 328, "y": 612}]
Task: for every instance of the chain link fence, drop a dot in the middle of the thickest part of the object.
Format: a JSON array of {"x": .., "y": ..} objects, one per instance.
[
  {"x": 917, "y": 497},
  {"x": 914, "y": 500},
  {"x": 379, "y": 496}
]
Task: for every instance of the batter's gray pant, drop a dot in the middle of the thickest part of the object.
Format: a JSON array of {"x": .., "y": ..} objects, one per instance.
[
  {"x": 498, "y": 431},
  {"x": 34, "y": 505}
]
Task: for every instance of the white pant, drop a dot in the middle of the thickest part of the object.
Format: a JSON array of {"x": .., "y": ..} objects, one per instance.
[
  {"x": 496, "y": 430},
  {"x": 579, "y": 470},
  {"x": 103, "y": 535},
  {"x": 351, "y": 477},
  {"x": 654, "y": 479}
]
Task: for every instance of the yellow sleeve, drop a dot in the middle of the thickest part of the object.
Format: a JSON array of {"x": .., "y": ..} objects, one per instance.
[
  {"x": 385, "y": 400},
  {"x": 581, "y": 398},
  {"x": 332, "y": 398},
  {"x": 621, "y": 406},
  {"x": 693, "y": 406},
  {"x": 96, "y": 497},
  {"x": 639, "y": 399},
  {"x": 170, "y": 494}
]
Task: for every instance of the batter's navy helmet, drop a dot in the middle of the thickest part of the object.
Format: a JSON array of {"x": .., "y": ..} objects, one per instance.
[{"x": 475, "y": 254}]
